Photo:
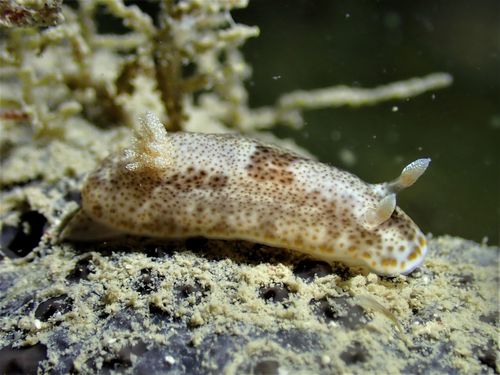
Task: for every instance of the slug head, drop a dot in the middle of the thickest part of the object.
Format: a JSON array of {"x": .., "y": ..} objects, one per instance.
[{"x": 400, "y": 245}]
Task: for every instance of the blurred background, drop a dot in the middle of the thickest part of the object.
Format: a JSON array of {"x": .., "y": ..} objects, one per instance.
[{"x": 307, "y": 44}]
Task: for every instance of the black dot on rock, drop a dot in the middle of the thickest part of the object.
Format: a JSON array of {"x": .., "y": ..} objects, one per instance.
[
  {"x": 465, "y": 280},
  {"x": 158, "y": 312},
  {"x": 340, "y": 310},
  {"x": 83, "y": 268},
  {"x": 24, "y": 360},
  {"x": 21, "y": 240},
  {"x": 56, "y": 305},
  {"x": 183, "y": 291},
  {"x": 148, "y": 281},
  {"x": 491, "y": 318},
  {"x": 330, "y": 312},
  {"x": 487, "y": 355},
  {"x": 309, "y": 269},
  {"x": 354, "y": 354},
  {"x": 266, "y": 367},
  {"x": 489, "y": 358},
  {"x": 276, "y": 293}
]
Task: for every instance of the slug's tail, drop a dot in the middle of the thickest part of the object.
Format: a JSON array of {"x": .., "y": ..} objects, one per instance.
[{"x": 82, "y": 227}]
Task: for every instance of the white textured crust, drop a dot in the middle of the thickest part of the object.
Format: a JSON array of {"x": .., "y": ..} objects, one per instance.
[{"x": 223, "y": 186}]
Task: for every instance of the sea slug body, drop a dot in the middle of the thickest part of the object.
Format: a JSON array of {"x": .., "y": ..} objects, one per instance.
[{"x": 174, "y": 185}]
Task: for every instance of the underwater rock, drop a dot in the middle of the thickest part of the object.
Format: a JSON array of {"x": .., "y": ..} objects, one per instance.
[{"x": 19, "y": 241}]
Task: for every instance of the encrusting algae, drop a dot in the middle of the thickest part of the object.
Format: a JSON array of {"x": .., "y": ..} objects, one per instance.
[{"x": 140, "y": 304}]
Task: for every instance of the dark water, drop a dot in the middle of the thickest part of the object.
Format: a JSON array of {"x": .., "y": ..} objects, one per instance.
[{"x": 308, "y": 44}]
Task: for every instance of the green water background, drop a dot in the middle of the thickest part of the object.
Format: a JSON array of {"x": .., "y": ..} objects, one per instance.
[{"x": 306, "y": 44}]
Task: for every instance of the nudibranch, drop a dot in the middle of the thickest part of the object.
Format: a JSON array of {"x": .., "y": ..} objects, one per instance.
[{"x": 177, "y": 185}]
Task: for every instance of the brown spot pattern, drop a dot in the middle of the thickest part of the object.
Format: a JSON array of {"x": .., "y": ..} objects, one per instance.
[
  {"x": 232, "y": 187},
  {"x": 271, "y": 164},
  {"x": 193, "y": 178}
]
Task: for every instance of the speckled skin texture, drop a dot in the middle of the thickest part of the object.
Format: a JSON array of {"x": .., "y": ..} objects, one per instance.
[{"x": 224, "y": 186}]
